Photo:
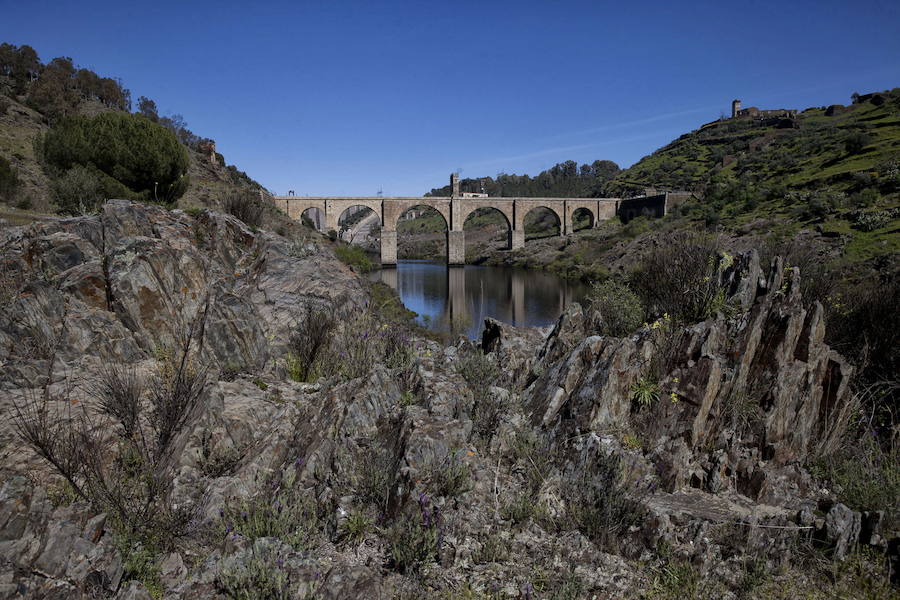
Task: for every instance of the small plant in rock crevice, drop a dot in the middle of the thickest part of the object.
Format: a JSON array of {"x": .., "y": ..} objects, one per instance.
[
  {"x": 447, "y": 475},
  {"x": 416, "y": 536},
  {"x": 480, "y": 371},
  {"x": 645, "y": 392},
  {"x": 355, "y": 526},
  {"x": 281, "y": 510}
]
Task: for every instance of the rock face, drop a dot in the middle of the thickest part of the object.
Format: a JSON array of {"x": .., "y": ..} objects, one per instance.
[
  {"x": 126, "y": 283},
  {"x": 60, "y": 552},
  {"x": 463, "y": 466},
  {"x": 733, "y": 391}
]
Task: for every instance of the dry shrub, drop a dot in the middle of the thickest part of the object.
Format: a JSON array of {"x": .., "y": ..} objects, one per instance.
[
  {"x": 681, "y": 277},
  {"x": 309, "y": 343},
  {"x": 244, "y": 205},
  {"x": 125, "y": 475}
]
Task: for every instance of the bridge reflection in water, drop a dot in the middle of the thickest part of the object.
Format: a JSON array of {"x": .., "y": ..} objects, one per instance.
[{"x": 459, "y": 298}]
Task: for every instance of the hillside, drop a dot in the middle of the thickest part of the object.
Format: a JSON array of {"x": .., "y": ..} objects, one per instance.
[
  {"x": 834, "y": 146},
  {"x": 36, "y": 97}
]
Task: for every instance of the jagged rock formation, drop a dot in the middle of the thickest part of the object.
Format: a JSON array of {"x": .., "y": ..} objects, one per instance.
[
  {"x": 489, "y": 459},
  {"x": 760, "y": 386}
]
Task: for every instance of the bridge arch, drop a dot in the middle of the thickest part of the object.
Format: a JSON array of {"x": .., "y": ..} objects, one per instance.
[
  {"x": 525, "y": 207},
  {"x": 351, "y": 217},
  {"x": 560, "y": 218},
  {"x": 579, "y": 215},
  {"x": 296, "y": 207},
  {"x": 473, "y": 216},
  {"x": 464, "y": 208},
  {"x": 427, "y": 208},
  {"x": 316, "y": 215}
]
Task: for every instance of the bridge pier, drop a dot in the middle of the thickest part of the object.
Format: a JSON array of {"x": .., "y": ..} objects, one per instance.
[
  {"x": 456, "y": 247},
  {"x": 388, "y": 247},
  {"x": 517, "y": 239}
]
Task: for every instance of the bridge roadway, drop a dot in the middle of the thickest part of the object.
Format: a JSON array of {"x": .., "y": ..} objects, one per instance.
[{"x": 454, "y": 210}]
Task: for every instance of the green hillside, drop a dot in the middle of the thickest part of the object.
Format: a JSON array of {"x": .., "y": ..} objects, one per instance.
[{"x": 843, "y": 147}]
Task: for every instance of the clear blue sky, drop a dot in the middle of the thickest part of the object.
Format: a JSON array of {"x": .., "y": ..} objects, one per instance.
[{"x": 332, "y": 97}]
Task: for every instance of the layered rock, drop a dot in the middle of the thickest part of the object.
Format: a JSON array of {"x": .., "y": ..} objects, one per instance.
[{"x": 753, "y": 383}]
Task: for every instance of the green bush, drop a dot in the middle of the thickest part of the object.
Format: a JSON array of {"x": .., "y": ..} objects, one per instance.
[
  {"x": 864, "y": 476},
  {"x": 143, "y": 156},
  {"x": 447, "y": 475},
  {"x": 856, "y": 141},
  {"x": 282, "y": 511},
  {"x": 415, "y": 537},
  {"x": 260, "y": 576},
  {"x": 82, "y": 190},
  {"x": 354, "y": 256},
  {"x": 309, "y": 343},
  {"x": 244, "y": 205},
  {"x": 621, "y": 311}
]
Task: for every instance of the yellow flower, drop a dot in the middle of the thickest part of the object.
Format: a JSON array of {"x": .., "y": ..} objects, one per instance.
[
  {"x": 674, "y": 397},
  {"x": 675, "y": 380}
]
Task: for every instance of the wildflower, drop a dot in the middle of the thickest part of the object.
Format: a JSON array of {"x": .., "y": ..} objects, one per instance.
[
  {"x": 674, "y": 380},
  {"x": 674, "y": 397}
]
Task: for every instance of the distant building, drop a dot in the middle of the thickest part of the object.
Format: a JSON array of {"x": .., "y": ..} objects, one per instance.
[{"x": 756, "y": 113}]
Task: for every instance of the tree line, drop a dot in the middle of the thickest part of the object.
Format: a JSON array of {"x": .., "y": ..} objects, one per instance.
[
  {"x": 57, "y": 88},
  {"x": 563, "y": 180}
]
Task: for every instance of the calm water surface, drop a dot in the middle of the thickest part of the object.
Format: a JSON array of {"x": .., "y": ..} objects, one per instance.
[{"x": 459, "y": 298}]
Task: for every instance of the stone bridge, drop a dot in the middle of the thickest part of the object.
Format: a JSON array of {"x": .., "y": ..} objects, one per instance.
[{"x": 454, "y": 210}]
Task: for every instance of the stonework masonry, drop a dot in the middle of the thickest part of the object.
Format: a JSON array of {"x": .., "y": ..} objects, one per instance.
[{"x": 454, "y": 211}]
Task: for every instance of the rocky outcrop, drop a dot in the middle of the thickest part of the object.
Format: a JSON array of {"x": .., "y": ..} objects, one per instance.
[
  {"x": 124, "y": 284},
  {"x": 478, "y": 460},
  {"x": 753, "y": 384}
]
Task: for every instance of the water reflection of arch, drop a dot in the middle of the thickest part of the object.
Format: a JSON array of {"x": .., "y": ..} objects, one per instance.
[{"x": 481, "y": 210}]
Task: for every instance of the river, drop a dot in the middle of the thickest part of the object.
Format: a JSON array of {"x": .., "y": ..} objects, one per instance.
[{"x": 459, "y": 298}]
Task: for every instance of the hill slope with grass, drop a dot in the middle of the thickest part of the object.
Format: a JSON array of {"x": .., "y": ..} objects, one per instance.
[
  {"x": 842, "y": 147},
  {"x": 38, "y": 101}
]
